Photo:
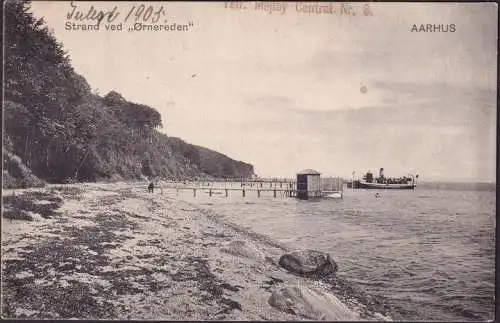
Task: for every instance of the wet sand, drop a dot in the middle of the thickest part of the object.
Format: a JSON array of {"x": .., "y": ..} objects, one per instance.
[{"x": 113, "y": 251}]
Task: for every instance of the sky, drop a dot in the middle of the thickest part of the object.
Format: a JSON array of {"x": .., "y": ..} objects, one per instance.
[{"x": 288, "y": 91}]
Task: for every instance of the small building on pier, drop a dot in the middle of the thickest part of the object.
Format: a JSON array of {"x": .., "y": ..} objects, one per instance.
[{"x": 308, "y": 184}]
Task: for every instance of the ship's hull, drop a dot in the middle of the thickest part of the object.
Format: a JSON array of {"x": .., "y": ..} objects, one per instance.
[{"x": 381, "y": 186}]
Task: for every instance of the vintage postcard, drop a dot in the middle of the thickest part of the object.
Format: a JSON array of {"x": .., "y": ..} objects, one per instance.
[{"x": 249, "y": 160}]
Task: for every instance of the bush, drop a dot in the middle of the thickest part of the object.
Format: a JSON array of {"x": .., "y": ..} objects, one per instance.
[{"x": 16, "y": 174}]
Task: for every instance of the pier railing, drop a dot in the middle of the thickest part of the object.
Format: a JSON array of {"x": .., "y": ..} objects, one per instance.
[{"x": 278, "y": 187}]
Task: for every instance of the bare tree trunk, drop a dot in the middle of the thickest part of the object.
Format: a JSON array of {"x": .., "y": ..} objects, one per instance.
[
  {"x": 81, "y": 163},
  {"x": 26, "y": 147}
]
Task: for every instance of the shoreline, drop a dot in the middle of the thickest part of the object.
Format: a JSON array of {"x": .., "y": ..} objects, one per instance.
[{"x": 113, "y": 251}]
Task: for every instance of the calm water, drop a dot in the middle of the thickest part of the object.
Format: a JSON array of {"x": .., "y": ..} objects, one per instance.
[{"x": 429, "y": 254}]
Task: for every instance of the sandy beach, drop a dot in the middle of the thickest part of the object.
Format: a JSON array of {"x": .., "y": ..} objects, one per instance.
[{"x": 113, "y": 251}]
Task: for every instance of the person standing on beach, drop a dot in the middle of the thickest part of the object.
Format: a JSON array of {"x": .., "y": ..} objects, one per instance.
[{"x": 151, "y": 187}]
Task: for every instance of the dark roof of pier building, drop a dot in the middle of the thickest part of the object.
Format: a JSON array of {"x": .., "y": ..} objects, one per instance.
[{"x": 308, "y": 172}]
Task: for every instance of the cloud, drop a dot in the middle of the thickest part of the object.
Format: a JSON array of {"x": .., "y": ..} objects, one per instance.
[
  {"x": 269, "y": 101},
  {"x": 418, "y": 104}
]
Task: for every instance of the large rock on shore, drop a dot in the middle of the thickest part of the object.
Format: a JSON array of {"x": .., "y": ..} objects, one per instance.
[
  {"x": 308, "y": 263},
  {"x": 311, "y": 303},
  {"x": 244, "y": 249}
]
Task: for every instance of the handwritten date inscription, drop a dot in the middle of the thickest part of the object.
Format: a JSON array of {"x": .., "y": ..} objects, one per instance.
[{"x": 140, "y": 13}]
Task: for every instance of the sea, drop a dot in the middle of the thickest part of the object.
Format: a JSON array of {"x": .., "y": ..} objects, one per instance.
[{"x": 428, "y": 254}]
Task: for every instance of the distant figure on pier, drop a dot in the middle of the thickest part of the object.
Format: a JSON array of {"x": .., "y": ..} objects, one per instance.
[{"x": 151, "y": 187}]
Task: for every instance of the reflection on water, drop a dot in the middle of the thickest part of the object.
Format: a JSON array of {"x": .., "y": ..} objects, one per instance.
[{"x": 428, "y": 253}]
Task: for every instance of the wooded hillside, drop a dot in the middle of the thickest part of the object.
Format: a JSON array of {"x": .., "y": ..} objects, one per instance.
[{"x": 61, "y": 131}]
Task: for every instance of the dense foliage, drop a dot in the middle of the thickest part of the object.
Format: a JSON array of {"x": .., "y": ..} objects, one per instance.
[{"x": 63, "y": 132}]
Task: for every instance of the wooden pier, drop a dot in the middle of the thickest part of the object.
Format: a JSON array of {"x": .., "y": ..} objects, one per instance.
[
  {"x": 288, "y": 190},
  {"x": 263, "y": 183},
  {"x": 212, "y": 190},
  {"x": 251, "y": 180},
  {"x": 307, "y": 185}
]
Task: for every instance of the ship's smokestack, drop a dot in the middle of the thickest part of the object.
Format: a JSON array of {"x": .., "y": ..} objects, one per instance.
[{"x": 381, "y": 173}]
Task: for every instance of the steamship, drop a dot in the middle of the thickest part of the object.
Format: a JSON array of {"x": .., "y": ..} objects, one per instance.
[{"x": 382, "y": 182}]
